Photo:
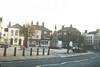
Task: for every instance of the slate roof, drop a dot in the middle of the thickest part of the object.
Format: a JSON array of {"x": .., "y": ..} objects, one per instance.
[
  {"x": 92, "y": 32},
  {"x": 38, "y": 27},
  {"x": 16, "y": 26},
  {"x": 72, "y": 29}
]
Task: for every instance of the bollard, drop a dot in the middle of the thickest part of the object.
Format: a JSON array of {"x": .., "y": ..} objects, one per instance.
[
  {"x": 48, "y": 51},
  {"x": 23, "y": 54},
  {"x": 15, "y": 51},
  {"x": 31, "y": 52},
  {"x": 37, "y": 51},
  {"x": 4, "y": 51},
  {"x": 43, "y": 51}
]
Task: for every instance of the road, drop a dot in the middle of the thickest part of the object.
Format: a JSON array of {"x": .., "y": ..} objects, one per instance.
[{"x": 88, "y": 60}]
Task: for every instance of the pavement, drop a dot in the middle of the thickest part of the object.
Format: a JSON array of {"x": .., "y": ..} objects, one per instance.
[
  {"x": 10, "y": 51},
  {"x": 80, "y": 60},
  {"x": 53, "y": 53}
]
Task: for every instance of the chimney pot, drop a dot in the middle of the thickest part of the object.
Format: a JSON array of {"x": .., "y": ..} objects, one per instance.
[
  {"x": 31, "y": 22},
  {"x": 37, "y": 23},
  {"x": 85, "y": 31},
  {"x": 9, "y": 25},
  {"x": 43, "y": 24},
  {"x": 62, "y": 26},
  {"x": 71, "y": 26}
]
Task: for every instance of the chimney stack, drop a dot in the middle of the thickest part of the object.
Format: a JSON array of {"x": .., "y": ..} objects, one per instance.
[
  {"x": 43, "y": 24},
  {"x": 37, "y": 23},
  {"x": 9, "y": 25},
  {"x": 31, "y": 23},
  {"x": 71, "y": 26},
  {"x": 62, "y": 26},
  {"x": 85, "y": 31}
]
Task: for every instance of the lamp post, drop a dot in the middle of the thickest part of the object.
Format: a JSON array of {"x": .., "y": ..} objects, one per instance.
[
  {"x": 62, "y": 38},
  {"x": 50, "y": 40},
  {"x": 68, "y": 47}
]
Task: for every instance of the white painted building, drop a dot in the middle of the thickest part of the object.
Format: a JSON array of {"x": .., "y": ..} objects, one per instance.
[
  {"x": 12, "y": 36},
  {"x": 1, "y": 38},
  {"x": 89, "y": 38},
  {"x": 0, "y": 26},
  {"x": 97, "y": 39},
  {"x": 93, "y": 39}
]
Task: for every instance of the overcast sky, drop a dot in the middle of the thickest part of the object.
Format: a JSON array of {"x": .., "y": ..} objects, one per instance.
[{"x": 82, "y": 14}]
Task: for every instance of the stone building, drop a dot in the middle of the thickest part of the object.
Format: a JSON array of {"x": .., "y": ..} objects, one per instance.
[
  {"x": 38, "y": 35},
  {"x": 67, "y": 34},
  {"x": 92, "y": 39}
]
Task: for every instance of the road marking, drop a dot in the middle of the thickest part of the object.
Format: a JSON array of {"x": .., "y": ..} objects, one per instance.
[
  {"x": 74, "y": 55},
  {"x": 77, "y": 61},
  {"x": 20, "y": 61},
  {"x": 93, "y": 57},
  {"x": 6, "y": 62},
  {"x": 11, "y": 61}
]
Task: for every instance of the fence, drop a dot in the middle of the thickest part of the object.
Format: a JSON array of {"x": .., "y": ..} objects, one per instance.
[{"x": 14, "y": 51}]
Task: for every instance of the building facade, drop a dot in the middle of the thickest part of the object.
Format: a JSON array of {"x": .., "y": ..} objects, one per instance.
[
  {"x": 97, "y": 39},
  {"x": 89, "y": 38},
  {"x": 12, "y": 35},
  {"x": 38, "y": 35},
  {"x": 92, "y": 39},
  {"x": 1, "y": 38},
  {"x": 67, "y": 34},
  {"x": 0, "y": 26}
]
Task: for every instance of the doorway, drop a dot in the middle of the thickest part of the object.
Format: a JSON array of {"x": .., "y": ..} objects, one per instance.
[{"x": 20, "y": 42}]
